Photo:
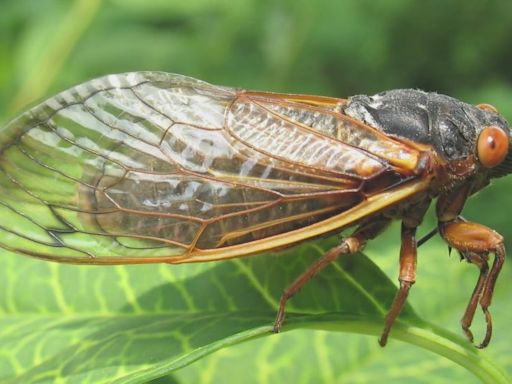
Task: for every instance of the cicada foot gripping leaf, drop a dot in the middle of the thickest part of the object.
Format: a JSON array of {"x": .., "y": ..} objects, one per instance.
[{"x": 150, "y": 167}]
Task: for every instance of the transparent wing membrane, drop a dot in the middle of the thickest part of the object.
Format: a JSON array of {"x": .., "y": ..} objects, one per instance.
[{"x": 147, "y": 167}]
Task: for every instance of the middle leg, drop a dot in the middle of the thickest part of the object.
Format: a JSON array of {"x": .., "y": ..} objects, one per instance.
[{"x": 407, "y": 277}]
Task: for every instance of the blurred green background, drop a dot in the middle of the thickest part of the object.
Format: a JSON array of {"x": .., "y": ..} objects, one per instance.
[{"x": 331, "y": 48}]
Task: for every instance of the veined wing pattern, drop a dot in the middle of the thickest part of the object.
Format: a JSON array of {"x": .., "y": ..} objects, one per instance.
[{"x": 148, "y": 166}]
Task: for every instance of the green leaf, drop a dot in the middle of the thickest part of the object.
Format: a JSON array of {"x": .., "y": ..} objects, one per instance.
[
  {"x": 50, "y": 311},
  {"x": 135, "y": 323}
]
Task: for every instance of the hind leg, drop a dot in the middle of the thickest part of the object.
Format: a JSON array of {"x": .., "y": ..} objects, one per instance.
[{"x": 350, "y": 245}]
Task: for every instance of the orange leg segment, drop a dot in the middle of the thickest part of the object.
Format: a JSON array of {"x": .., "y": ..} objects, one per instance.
[
  {"x": 407, "y": 277},
  {"x": 350, "y": 245},
  {"x": 475, "y": 242}
]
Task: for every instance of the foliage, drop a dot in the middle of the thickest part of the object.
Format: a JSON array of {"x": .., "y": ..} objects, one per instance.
[
  {"x": 130, "y": 324},
  {"x": 139, "y": 323}
]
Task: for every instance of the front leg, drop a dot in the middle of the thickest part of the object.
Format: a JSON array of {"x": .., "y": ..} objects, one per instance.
[{"x": 474, "y": 242}]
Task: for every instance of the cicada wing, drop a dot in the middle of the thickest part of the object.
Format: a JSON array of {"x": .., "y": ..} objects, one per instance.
[
  {"x": 148, "y": 167},
  {"x": 60, "y": 161}
]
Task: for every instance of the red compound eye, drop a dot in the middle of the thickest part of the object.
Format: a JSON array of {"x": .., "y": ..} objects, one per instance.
[{"x": 492, "y": 146}]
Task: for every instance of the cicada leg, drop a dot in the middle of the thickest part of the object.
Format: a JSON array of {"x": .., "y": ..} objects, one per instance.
[
  {"x": 350, "y": 245},
  {"x": 411, "y": 219},
  {"x": 481, "y": 261},
  {"x": 407, "y": 277},
  {"x": 477, "y": 240},
  {"x": 488, "y": 290}
]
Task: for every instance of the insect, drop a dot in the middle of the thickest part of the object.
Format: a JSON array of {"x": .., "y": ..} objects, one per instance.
[{"x": 150, "y": 167}]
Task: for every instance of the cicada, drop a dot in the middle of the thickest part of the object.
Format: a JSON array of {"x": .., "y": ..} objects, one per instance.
[{"x": 151, "y": 167}]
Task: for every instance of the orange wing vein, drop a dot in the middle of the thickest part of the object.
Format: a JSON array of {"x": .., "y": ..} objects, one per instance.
[{"x": 155, "y": 167}]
